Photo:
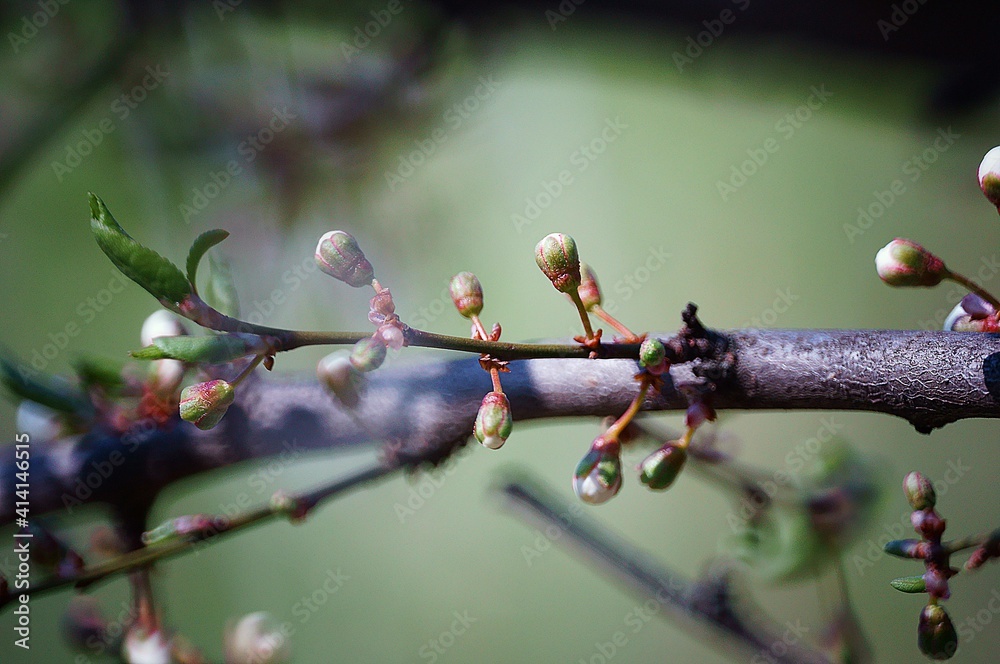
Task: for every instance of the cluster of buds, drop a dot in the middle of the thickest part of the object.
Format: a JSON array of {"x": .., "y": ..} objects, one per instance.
[
  {"x": 494, "y": 422},
  {"x": 936, "y": 635},
  {"x": 339, "y": 255}
]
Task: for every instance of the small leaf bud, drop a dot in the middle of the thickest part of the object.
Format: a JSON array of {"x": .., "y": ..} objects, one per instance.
[
  {"x": 909, "y": 584},
  {"x": 339, "y": 255},
  {"x": 589, "y": 290},
  {"x": 368, "y": 354},
  {"x": 919, "y": 491},
  {"x": 557, "y": 257},
  {"x": 659, "y": 470},
  {"x": 204, "y": 404},
  {"x": 905, "y": 263},
  {"x": 467, "y": 294},
  {"x": 904, "y": 548},
  {"x": 598, "y": 477},
  {"x": 494, "y": 421},
  {"x": 936, "y": 635}
]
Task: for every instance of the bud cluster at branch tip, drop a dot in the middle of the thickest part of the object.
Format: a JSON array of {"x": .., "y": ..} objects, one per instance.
[{"x": 339, "y": 255}]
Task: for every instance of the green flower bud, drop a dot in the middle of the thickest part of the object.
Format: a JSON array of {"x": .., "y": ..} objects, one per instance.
[
  {"x": 339, "y": 255},
  {"x": 368, "y": 354},
  {"x": 653, "y": 356},
  {"x": 659, "y": 470},
  {"x": 557, "y": 257},
  {"x": 909, "y": 584},
  {"x": 919, "y": 491},
  {"x": 204, "y": 404},
  {"x": 589, "y": 290},
  {"x": 337, "y": 373},
  {"x": 598, "y": 477},
  {"x": 989, "y": 176},
  {"x": 493, "y": 422},
  {"x": 467, "y": 294},
  {"x": 936, "y": 636},
  {"x": 906, "y": 263}
]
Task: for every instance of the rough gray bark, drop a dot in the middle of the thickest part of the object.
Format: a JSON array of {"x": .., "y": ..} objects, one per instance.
[{"x": 423, "y": 411}]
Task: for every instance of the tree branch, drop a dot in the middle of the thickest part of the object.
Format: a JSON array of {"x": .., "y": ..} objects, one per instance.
[{"x": 426, "y": 410}]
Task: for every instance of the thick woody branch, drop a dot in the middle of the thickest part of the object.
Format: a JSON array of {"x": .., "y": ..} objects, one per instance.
[{"x": 425, "y": 410}]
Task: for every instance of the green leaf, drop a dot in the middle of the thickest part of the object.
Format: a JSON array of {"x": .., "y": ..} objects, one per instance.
[
  {"x": 142, "y": 265},
  {"x": 909, "y": 584},
  {"x": 44, "y": 389},
  {"x": 210, "y": 350},
  {"x": 221, "y": 291},
  {"x": 202, "y": 244},
  {"x": 99, "y": 371}
]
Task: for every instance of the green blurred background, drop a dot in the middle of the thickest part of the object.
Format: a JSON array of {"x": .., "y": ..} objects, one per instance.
[{"x": 780, "y": 237}]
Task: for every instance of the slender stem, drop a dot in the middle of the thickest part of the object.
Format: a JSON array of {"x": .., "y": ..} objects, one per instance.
[
  {"x": 584, "y": 316},
  {"x": 249, "y": 370},
  {"x": 600, "y": 312},
  {"x": 633, "y": 409},
  {"x": 968, "y": 542},
  {"x": 975, "y": 288},
  {"x": 147, "y": 555}
]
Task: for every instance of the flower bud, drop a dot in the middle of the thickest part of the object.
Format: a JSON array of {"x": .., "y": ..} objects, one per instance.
[
  {"x": 989, "y": 176},
  {"x": 467, "y": 294},
  {"x": 557, "y": 257},
  {"x": 598, "y": 477},
  {"x": 589, "y": 290},
  {"x": 493, "y": 422},
  {"x": 161, "y": 323},
  {"x": 337, "y": 373},
  {"x": 919, "y": 491},
  {"x": 659, "y": 470},
  {"x": 204, "y": 404},
  {"x": 339, "y": 255},
  {"x": 972, "y": 314},
  {"x": 368, "y": 354},
  {"x": 256, "y": 639},
  {"x": 146, "y": 647},
  {"x": 936, "y": 636},
  {"x": 906, "y": 263},
  {"x": 653, "y": 356},
  {"x": 392, "y": 336}
]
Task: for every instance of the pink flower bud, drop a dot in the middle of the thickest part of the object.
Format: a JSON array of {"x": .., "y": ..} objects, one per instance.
[
  {"x": 204, "y": 404},
  {"x": 989, "y": 176},
  {"x": 906, "y": 263},
  {"x": 339, "y": 255},
  {"x": 557, "y": 257},
  {"x": 493, "y": 421}
]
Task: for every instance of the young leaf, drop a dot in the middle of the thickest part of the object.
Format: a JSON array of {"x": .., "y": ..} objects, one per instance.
[
  {"x": 142, "y": 265},
  {"x": 202, "y": 244},
  {"x": 45, "y": 390},
  {"x": 909, "y": 584},
  {"x": 217, "y": 349}
]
